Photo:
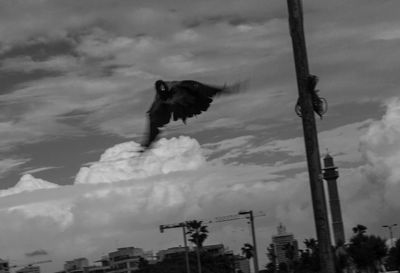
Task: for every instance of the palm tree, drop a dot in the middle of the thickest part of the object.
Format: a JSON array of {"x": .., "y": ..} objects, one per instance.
[
  {"x": 309, "y": 258},
  {"x": 359, "y": 230},
  {"x": 198, "y": 234},
  {"x": 366, "y": 251},
  {"x": 248, "y": 251},
  {"x": 311, "y": 244},
  {"x": 197, "y": 231}
]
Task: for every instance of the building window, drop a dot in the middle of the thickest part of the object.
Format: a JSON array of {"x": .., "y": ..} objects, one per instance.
[{"x": 133, "y": 264}]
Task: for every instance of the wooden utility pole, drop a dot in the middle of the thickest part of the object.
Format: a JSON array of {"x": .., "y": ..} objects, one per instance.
[{"x": 310, "y": 136}]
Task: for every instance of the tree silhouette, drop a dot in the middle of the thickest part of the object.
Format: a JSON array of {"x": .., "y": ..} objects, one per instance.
[
  {"x": 359, "y": 230},
  {"x": 342, "y": 257},
  {"x": 366, "y": 251},
  {"x": 271, "y": 266},
  {"x": 198, "y": 234},
  {"x": 271, "y": 253},
  {"x": 393, "y": 259},
  {"x": 197, "y": 231},
  {"x": 248, "y": 251},
  {"x": 309, "y": 257},
  {"x": 290, "y": 254}
]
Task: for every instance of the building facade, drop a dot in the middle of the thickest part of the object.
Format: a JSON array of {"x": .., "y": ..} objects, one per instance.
[
  {"x": 285, "y": 246},
  {"x": 126, "y": 259},
  {"x": 170, "y": 252},
  {"x": 29, "y": 269},
  {"x": 97, "y": 269},
  {"x": 214, "y": 250},
  {"x": 242, "y": 264},
  {"x": 76, "y": 265},
  {"x": 100, "y": 266}
]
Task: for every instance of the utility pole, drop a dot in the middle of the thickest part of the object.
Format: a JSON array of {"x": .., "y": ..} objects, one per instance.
[
  {"x": 310, "y": 136},
  {"x": 198, "y": 255},
  {"x": 238, "y": 216},
  {"x": 186, "y": 249},
  {"x": 183, "y": 226},
  {"x": 390, "y": 227},
  {"x": 253, "y": 235}
]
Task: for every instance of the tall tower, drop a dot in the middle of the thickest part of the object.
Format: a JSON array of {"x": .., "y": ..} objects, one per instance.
[
  {"x": 281, "y": 242},
  {"x": 331, "y": 174}
]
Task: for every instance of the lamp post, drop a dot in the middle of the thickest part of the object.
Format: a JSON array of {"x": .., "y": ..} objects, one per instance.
[
  {"x": 253, "y": 234},
  {"x": 183, "y": 226},
  {"x": 390, "y": 227}
]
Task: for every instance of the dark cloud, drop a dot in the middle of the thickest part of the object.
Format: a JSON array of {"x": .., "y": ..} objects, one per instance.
[
  {"x": 40, "y": 49},
  {"x": 233, "y": 20},
  {"x": 34, "y": 51},
  {"x": 38, "y": 252},
  {"x": 11, "y": 80}
]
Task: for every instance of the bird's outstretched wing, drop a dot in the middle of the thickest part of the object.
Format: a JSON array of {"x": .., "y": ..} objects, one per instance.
[
  {"x": 190, "y": 98},
  {"x": 180, "y": 100},
  {"x": 159, "y": 114}
]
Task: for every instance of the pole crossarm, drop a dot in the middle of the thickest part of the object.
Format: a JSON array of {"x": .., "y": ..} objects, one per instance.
[
  {"x": 177, "y": 225},
  {"x": 182, "y": 225},
  {"x": 236, "y": 217},
  {"x": 390, "y": 228},
  {"x": 231, "y": 217},
  {"x": 217, "y": 219}
]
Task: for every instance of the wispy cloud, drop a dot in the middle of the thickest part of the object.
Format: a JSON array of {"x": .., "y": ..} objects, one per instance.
[
  {"x": 41, "y": 169},
  {"x": 26, "y": 64},
  {"x": 7, "y": 165}
]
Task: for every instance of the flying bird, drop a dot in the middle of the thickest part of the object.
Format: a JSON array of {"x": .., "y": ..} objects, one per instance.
[{"x": 180, "y": 100}]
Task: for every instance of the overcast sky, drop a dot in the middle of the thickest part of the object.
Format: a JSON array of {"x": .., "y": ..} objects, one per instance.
[{"x": 77, "y": 78}]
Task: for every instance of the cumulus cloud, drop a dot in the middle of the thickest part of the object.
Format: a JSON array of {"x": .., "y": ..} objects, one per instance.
[
  {"x": 28, "y": 183},
  {"x": 49, "y": 212},
  {"x": 126, "y": 195},
  {"x": 381, "y": 149},
  {"x": 125, "y": 191},
  {"x": 124, "y": 161}
]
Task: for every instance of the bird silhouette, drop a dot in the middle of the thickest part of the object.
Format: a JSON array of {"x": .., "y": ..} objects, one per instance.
[{"x": 180, "y": 100}]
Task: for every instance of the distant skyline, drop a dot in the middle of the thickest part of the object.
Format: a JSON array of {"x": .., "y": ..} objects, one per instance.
[{"x": 77, "y": 79}]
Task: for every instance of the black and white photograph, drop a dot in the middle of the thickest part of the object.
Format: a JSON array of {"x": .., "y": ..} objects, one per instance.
[{"x": 210, "y": 136}]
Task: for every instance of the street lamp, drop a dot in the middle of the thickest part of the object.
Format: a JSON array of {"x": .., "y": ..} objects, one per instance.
[
  {"x": 253, "y": 233},
  {"x": 390, "y": 232}
]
